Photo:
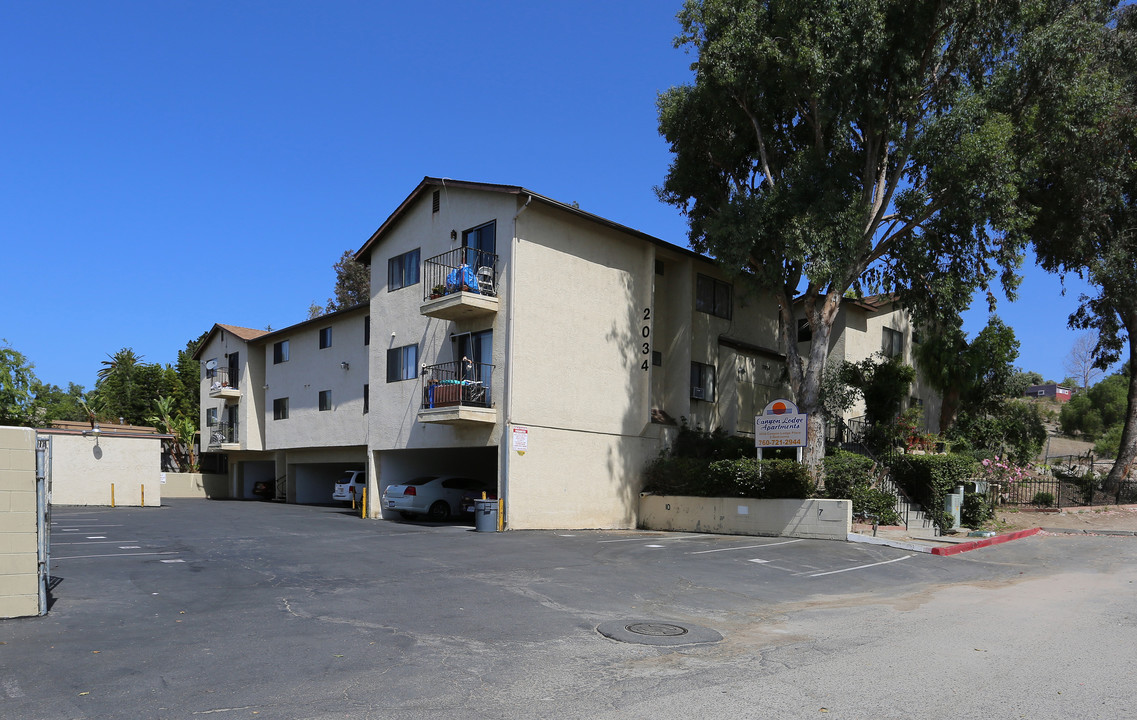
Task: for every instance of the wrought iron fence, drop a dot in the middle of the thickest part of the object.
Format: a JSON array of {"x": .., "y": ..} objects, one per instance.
[
  {"x": 219, "y": 378},
  {"x": 223, "y": 433},
  {"x": 463, "y": 269},
  {"x": 457, "y": 383}
]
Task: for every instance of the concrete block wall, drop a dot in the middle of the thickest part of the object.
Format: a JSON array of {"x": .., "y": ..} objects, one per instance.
[
  {"x": 817, "y": 519},
  {"x": 19, "y": 538}
]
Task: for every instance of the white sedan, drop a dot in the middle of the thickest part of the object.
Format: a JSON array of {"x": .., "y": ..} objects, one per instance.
[{"x": 436, "y": 496}]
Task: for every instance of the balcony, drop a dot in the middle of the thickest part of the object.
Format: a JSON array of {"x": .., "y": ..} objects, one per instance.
[
  {"x": 460, "y": 284},
  {"x": 224, "y": 436},
  {"x": 220, "y": 385},
  {"x": 457, "y": 393}
]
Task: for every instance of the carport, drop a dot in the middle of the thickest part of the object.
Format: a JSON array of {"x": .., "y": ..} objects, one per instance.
[
  {"x": 395, "y": 467},
  {"x": 250, "y": 472},
  {"x": 313, "y": 483}
]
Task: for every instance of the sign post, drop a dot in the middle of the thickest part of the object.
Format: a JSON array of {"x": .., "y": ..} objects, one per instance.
[{"x": 781, "y": 425}]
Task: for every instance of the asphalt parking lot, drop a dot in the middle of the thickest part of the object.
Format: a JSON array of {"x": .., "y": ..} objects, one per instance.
[{"x": 261, "y": 610}]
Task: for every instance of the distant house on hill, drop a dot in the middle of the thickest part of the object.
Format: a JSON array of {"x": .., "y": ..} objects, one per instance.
[{"x": 1061, "y": 393}]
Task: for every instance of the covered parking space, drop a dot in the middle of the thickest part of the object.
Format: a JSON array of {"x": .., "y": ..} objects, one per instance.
[
  {"x": 312, "y": 474},
  {"x": 396, "y": 467}
]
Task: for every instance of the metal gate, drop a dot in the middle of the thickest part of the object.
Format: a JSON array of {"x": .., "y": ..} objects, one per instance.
[{"x": 43, "y": 516}]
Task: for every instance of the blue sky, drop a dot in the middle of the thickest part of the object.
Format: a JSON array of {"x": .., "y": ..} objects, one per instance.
[{"x": 165, "y": 166}]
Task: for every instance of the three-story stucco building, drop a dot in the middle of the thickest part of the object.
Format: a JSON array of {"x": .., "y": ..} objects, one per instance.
[{"x": 509, "y": 337}]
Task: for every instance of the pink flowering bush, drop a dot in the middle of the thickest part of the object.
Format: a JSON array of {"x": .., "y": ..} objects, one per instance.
[{"x": 1000, "y": 471}]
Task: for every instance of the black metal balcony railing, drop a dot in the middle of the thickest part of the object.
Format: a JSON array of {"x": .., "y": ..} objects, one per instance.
[
  {"x": 223, "y": 433},
  {"x": 219, "y": 378},
  {"x": 463, "y": 269},
  {"x": 457, "y": 384}
]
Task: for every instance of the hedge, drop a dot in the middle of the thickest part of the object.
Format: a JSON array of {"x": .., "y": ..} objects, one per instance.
[
  {"x": 745, "y": 477},
  {"x": 928, "y": 479}
]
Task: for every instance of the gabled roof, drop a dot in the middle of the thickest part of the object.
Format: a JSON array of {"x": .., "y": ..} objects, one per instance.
[
  {"x": 249, "y": 334},
  {"x": 242, "y": 333},
  {"x": 363, "y": 255}
]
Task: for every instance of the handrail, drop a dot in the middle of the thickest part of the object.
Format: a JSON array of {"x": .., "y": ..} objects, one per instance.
[
  {"x": 461, "y": 383},
  {"x": 463, "y": 269}
]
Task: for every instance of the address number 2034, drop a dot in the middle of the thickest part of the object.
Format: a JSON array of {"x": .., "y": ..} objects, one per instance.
[{"x": 645, "y": 334}]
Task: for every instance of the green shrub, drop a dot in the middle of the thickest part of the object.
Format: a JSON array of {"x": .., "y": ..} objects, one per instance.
[
  {"x": 1043, "y": 499},
  {"x": 728, "y": 478},
  {"x": 850, "y": 476},
  {"x": 928, "y": 479},
  {"x": 975, "y": 510},
  {"x": 844, "y": 471},
  {"x": 714, "y": 445}
]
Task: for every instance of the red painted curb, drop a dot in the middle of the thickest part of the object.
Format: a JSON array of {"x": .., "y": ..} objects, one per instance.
[{"x": 998, "y": 539}]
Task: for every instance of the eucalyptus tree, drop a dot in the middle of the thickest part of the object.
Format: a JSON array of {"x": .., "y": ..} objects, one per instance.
[
  {"x": 1076, "y": 90},
  {"x": 825, "y": 145}
]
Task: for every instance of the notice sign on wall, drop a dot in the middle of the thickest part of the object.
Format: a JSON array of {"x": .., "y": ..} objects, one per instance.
[
  {"x": 780, "y": 425},
  {"x": 520, "y": 440}
]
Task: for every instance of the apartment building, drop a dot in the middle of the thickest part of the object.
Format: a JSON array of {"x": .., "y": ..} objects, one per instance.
[
  {"x": 287, "y": 406},
  {"x": 877, "y": 326},
  {"x": 512, "y": 338}
]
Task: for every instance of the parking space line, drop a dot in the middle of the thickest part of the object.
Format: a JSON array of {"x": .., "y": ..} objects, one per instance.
[
  {"x": 862, "y": 567},
  {"x": 745, "y": 547},
  {"x": 82, "y": 557},
  {"x": 90, "y": 542}
]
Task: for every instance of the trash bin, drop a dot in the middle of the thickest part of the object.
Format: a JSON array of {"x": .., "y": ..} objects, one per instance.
[{"x": 485, "y": 515}]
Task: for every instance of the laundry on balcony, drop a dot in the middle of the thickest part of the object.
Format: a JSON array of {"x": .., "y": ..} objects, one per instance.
[{"x": 462, "y": 279}]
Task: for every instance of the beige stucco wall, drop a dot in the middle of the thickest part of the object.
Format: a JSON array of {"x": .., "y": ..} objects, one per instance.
[
  {"x": 82, "y": 470},
  {"x": 818, "y": 519},
  {"x": 250, "y": 405},
  {"x": 193, "y": 485},
  {"x": 19, "y": 538},
  {"x": 309, "y": 370}
]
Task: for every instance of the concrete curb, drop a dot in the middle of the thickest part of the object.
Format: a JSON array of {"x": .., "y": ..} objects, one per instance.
[
  {"x": 902, "y": 544},
  {"x": 1076, "y": 531},
  {"x": 986, "y": 542}
]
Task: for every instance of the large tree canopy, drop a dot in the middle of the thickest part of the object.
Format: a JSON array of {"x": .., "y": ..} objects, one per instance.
[
  {"x": 827, "y": 145},
  {"x": 1077, "y": 93}
]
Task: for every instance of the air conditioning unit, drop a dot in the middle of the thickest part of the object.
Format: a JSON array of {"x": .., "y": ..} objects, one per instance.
[{"x": 698, "y": 393}]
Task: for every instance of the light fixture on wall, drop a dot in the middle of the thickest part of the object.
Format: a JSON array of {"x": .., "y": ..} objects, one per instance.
[
  {"x": 95, "y": 432},
  {"x": 345, "y": 365}
]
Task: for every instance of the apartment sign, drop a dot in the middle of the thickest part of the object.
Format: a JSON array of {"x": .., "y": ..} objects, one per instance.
[{"x": 780, "y": 425}]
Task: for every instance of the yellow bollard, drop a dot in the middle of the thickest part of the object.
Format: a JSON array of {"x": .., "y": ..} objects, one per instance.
[
  {"x": 112, "y": 494},
  {"x": 500, "y": 518},
  {"x": 143, "y": 495},
  {"x": 352, "y": 497},
  {"x": 363, "y": 505}
]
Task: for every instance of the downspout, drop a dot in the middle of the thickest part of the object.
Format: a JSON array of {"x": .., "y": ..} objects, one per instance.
[{"x": 507, "y": 399}]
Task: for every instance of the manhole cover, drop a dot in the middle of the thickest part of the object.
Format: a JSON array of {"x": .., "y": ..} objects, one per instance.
[
  {"x": 656, "y": 629},
  {"x": 652, "y": 632}
]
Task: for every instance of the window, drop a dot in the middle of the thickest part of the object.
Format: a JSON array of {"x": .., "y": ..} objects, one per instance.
[
  {"x": 703, "y": 381},
  {"x": 892, "y": 342},
  {"x": 402, "y": 363},
  {"x": 366, "y": 399},
  {"x": 804, "y": 331},
  {"x": 280, "y": 352},
  {"x": 211, "y": 416},
  {"x": 712, "y": 296},
  {"x": 280, "y": 409},
  {"x": 402, "y": 270},
  {"x": 325, "y": 338},
  {"x": 367, "y": 330},
  {"x": 325, "y": 400},
  {"x": 480, "y": 244},
  {"x": 658, "y": 267},
  {"x": 435, "y": 202},
  {"x": 657, "y": 358}
]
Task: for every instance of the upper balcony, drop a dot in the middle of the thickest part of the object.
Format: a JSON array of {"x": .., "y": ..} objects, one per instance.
[
  {"x": 221, "y": 386},
  {"x": 457, "y": 393},
  {"x": 224, "y": 436},
  {"x": 460, "y": 284}
]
